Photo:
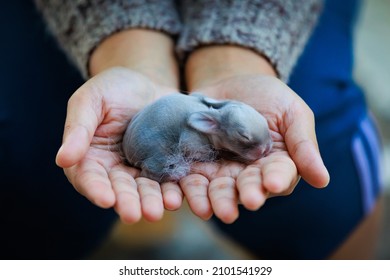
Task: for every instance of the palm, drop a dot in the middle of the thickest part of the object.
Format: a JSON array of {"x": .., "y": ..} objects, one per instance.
[
  {"x": 294, "y": 152},
  {"x": 98, "y": 114}
]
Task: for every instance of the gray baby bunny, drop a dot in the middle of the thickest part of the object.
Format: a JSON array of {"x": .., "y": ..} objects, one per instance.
[{"x": 167, "y": 136}]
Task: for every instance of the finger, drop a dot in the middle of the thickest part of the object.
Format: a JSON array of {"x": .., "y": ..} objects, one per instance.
[
  {"x": 223, "y": 198},
  {"x": 83, "y": 116},
  {"x": 249, "y": 185},
  {"x": 151, "y": 199},
  {"x": 302, "y": 146},
  {"x": 172, "y": 195},
  {"x": 128, "y": 203},
  {"x": 91, "y": 180},
  {"x": 195, "y": 187},
  {"x": 272, "y": 167}
]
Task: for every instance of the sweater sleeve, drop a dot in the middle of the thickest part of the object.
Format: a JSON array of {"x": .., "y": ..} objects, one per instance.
[
  {"x": 80, "y": 25},
  {"x": 278, "y": 29}
]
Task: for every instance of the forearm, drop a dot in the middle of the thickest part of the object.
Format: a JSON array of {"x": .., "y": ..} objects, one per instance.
[
  {"x": 148, "y": 52},
  {"x": 208, "y": 65}
]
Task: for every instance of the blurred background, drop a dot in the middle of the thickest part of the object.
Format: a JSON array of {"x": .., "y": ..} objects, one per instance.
[
  {"x": 373, "y": 73},
  {"x": 180, "y": 235}
]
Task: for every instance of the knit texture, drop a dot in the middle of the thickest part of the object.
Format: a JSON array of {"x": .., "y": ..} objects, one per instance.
[
  {"x": 80, "y": 25},
  {"x": 278, "y": 29}
]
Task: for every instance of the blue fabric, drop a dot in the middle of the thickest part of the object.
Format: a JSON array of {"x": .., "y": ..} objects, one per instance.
[
  {"x": 323, "y": 75},
  {"x": 42, "y": 216}
]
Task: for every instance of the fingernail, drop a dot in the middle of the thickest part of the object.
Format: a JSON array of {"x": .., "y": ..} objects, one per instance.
[{"x": 58, "y": 154}]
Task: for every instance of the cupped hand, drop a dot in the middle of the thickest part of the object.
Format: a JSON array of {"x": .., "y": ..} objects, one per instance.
[
  {"x": 295, "y": 153},
  {"x": 97, "y": 116}
]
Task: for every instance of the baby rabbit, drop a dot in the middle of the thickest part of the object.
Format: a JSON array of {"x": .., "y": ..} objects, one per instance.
[{"x": 167, "y": 136}]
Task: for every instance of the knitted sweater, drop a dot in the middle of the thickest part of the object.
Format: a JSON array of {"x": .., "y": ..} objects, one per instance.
[{"x": 278, "y": 29}]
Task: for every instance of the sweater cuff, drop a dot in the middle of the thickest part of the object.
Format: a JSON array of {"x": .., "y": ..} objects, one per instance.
[
  {"x": 80, "y": 25},
  {"x": 277, "y": 29}
]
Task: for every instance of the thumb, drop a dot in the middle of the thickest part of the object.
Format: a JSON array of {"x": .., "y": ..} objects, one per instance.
[
  {"x": 302, "y": 146},
  {"x": 82, "y": 119}
]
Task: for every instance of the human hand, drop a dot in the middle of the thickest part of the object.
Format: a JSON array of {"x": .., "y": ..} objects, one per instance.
[
  {"x": 294, "y": 153},
  {"x": 97, "y": 116}
]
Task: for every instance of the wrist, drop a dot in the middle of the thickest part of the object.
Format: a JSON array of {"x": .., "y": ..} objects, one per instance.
[
  {"x": 211, "y": 64},
  {"x": 148, "y": 52}
]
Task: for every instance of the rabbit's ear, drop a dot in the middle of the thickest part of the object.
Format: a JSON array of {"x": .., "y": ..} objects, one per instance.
[
  {"x": 205, "y": 122},
  {"x": 211, "y": 102}
]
